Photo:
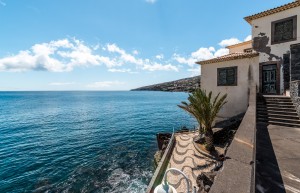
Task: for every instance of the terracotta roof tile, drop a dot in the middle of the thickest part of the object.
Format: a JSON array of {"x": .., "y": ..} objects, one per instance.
[
  {"x": 273, "y": 11},
  {"x": 232, "y": 56}
]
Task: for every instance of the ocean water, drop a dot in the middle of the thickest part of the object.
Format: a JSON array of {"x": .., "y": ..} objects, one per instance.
[{"x": 83, "y": 141}]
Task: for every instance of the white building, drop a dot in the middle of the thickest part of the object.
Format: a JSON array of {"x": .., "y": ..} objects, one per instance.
[{"x": 271, "y": 60}]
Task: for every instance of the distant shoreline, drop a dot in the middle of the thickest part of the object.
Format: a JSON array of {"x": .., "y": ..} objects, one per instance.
[{"x": 181, "y": 85}]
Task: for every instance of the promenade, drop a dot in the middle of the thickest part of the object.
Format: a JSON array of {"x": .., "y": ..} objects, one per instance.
[
  {"x": 186, "y": 158},
  {"x": 278, "y": 159}
]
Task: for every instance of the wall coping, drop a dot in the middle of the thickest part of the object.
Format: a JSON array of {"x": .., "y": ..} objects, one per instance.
[
  {"x": 238, "y": 172},
  {"x": 162, "y": 165}
]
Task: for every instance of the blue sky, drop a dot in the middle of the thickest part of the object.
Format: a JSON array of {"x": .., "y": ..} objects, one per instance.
[{"x": 115, "y": 44}]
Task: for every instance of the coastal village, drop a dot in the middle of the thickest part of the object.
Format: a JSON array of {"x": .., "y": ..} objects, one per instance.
[{"x": 258, "y": 115}]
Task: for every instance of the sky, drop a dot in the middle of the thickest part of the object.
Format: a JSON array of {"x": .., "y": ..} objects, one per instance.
[{"x": 115, "y": 44}]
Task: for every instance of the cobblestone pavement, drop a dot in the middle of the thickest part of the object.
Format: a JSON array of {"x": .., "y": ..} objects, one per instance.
[{"x": 187, "y": 159}]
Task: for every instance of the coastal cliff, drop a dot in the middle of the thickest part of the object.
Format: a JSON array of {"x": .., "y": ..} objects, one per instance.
[{"x": 182, "y": 85}]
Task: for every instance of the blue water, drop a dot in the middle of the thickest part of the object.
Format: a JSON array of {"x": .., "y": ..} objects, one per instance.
[{"x": 83, "y": 141}]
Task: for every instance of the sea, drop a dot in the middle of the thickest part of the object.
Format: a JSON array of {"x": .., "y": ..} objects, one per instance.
[{"x": 84, "y": 141}]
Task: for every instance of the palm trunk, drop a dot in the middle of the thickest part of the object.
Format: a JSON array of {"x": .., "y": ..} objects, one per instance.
[{"x": 209, "y": 139}]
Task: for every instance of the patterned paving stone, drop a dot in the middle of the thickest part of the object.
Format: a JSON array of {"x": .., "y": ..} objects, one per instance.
[{"x": 187, "y": 159}]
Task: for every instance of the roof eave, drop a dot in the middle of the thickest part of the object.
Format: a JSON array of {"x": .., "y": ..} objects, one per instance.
[
  {"x": 275, "y": 10},
  {"x": 217, "y": 60}
]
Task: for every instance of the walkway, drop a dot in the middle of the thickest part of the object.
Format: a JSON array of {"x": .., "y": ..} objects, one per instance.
[
  {"x": 186, "y": 158},
  {"x": 278, "y": 159}
]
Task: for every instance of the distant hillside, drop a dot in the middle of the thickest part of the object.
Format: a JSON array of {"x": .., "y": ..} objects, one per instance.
[{"x": 182, "y": 85}]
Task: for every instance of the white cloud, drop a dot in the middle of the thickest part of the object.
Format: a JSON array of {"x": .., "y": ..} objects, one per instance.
[
  {"x": 135, "y": 52},
  {"x": 144, "y": 64},
  {"x": 221, "y": 52},
  {"x": 2, "y": 3},
  {"x": 206, "y": 53},
  {"x": 124, "y": 57},
  {"x": 160, "y": 67},
  {"x": 249, "y": 37},
  {"x": 96, "y": 47},
  {"x": 159, "y": 56},
  {"x": 119, "y": 70},
  {"x": 67, "y": 54},
  {"x": 182, "y": 60},
  {"x": 199, "y": 55},
  {"x": 203, "y": 53},
  {"x": 151, "y": 1},
  {"x": 229, "y": 42},
  {"x": 104, "y": 84},
  {"x": 195, "y": 71},
  {"x": 55, "y": 56},
  {"x": 61, "y": 83}
]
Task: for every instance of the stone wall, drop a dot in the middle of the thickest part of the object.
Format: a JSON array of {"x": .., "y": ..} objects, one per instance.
[
  {"x": 295, "y": 76},
  {"x": 295, "y": 94},
  {"x": 162, "y": 166}
]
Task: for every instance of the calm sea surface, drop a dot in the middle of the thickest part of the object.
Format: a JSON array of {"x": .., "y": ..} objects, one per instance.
[{"x": 83, "y": 141}]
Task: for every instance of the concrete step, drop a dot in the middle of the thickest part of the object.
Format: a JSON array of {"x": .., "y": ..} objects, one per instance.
[
  {"x": 278, "y": 100},
  {"x": 278, "y": 114},
  {"x": 276, "y": 96},
  {"x": 276, "y": 109},
  {"x": 279, "y": 120},
  {"x": 280, "y": 105},
  {"x": 281, "y": 108},
  {"x": 279, "y": 123},
  {"x": 283, "y": 116},
  {"x": 261, "y": 105}
]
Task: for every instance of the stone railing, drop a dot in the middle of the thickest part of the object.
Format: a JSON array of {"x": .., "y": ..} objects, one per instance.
[
  {"x": 162, "y": 166},
  {"x": 295, "y": 94},
  {"x": 238, "y": 173}
]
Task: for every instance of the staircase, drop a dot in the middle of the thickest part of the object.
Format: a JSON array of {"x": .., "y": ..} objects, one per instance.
[{"x": 277, "y": 110}]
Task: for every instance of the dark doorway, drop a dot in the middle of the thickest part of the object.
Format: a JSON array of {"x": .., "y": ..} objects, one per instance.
[
  {"x": 295, "y": 62},
  {"x": 286, "y": 71},
  {"x": 269, "y": 80}
]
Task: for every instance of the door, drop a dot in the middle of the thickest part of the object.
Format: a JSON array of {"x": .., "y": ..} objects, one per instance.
[{"x": 269, "y": 79}]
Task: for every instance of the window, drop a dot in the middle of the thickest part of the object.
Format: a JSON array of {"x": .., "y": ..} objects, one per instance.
[
  {"x": 284, "y": 30},
  {"x": 227, "y": 76},
  {"x": 248, "y": 50}
]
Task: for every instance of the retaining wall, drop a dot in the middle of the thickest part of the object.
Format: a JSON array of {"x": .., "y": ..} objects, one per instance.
[
  {"x": 162, "y": 166},
  {"x": 238, "y": 172}
]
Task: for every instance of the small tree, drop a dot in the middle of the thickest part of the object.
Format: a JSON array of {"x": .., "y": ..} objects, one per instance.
[{"x": 205, "y": 109}]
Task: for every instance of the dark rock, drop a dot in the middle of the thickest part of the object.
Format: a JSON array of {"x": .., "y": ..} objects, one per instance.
[
  {"x": 218, "y": 166},
  {"x": 157, "y": 157},
  {"x": 224, "y": 131},
  {"x": 162, "y": 138},
  {"x": 207, "y": 188},
  {"x": 199, "y": 139},
  {"x": 205, "y": 178}
]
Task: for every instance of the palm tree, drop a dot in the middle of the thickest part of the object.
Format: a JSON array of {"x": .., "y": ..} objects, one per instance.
[{"x": 205, "y": 109}]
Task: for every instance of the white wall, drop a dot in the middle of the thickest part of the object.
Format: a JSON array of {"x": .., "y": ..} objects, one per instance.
[
  {"x": 237, "y": 95},
  {"x": 239, "y": 47},
  {"x": 263, "y": 25}
]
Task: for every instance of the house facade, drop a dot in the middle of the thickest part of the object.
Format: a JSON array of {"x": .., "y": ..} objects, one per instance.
[
  {"x": 271, "y": 60},
  {"x": 276, "y": 33}
]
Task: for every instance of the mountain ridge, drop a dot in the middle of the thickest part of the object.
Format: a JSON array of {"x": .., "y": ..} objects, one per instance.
[{"x": 181, "y": 85}]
